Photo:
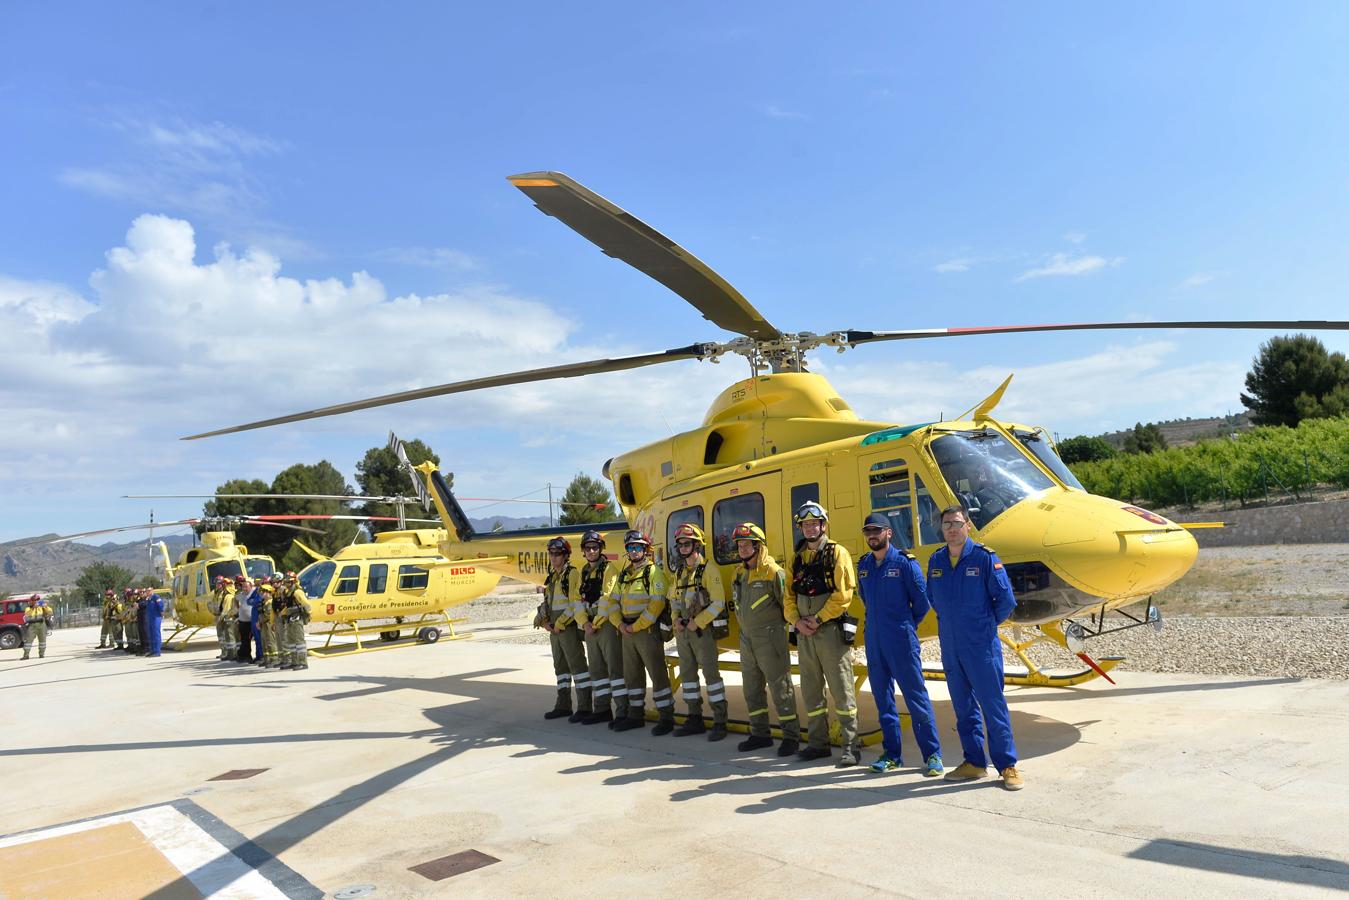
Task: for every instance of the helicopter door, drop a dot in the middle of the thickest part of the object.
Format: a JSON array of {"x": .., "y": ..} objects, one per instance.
[{"x": 895, "y": 490}]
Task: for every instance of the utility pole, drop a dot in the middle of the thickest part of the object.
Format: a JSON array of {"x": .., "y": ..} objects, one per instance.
[{"x": 550, "y": 504}]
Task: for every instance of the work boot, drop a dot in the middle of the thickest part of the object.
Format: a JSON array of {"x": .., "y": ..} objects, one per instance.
[
  {"x": 692, "y": 725},
  {"x": 848, "y": 757},
  {"x": 287, "y": 666},
  {"x": 579, "y": 716},
  {"x": 967, "y": 771},
  {"x": 100, "y": 646},
  {"x": 627, "y": 724},
  {"x": 25, "y": 654},
  {"x": 596, "y": 718},
  {"x": 663, "y": 727},
  {"x": 1012, "y": 780},
  {"x": 556, "y": 713},
  {"x": 754, "y": 742},
  {"x": 718, "y": 732},
  {"x": 810, "y": 754},
  {"x": 789, "y": 746}
]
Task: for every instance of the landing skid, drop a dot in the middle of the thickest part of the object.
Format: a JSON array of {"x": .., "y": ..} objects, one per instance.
[
  {"x": 370, "y": 638},
  {"x": 178, "y": 629}
]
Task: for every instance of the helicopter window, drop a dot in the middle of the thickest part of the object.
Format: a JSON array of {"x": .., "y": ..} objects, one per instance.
[
  {"x": 1038, "y": 443},
  {"x": 201, "y": 582},
  {"x": 412, "y": 578},
  {"x": 315, "y": 578},
  {"x": 347, "y": 580},
  {"x": 377, "y": 579},
  {"x": 726, "y": 515},
  {"x": 228, "y": 569},
  {"x": 692, "y": 515},
  {"x": 800, "y": 494},
  {"x": 986, "y": 472},
  {"x": 929, "y": 529},
  {"x": 890, "y": 496},
  {"x": 259, "y": 567},
  {"x": 712, "y": 448},
  {"x": 625, "y": 494}
]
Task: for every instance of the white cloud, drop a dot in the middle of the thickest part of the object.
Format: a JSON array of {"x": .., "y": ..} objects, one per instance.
[
  {"x": 196, "y": 168},
  {"x": 774, "y": 111},
  {"x": 1063, "y": 264},
  {"x": 960, "y": 264},
  {"x": 1198, "y": 279},
  {"x": 429, "y": 257}
]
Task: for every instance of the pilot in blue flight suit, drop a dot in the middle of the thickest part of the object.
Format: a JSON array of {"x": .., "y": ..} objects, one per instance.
[
  {"x": 891, "y": 584},
  {"x": 154, "y": 623},
  {"x": 970, "y": 590}
]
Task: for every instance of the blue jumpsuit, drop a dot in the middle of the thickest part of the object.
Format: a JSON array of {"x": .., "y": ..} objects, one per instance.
[
  {"x": 256, "y": 600},
  {"x": 896, "y": 601},
  {"x": 972, "y": 598},
  {"x": 154, "y": 621}
]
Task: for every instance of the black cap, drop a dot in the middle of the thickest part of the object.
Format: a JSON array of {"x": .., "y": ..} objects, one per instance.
[{"x": 876, "y": 520}]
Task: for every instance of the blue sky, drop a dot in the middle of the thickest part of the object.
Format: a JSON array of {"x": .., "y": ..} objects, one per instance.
[{"x": 215, "y": 213}]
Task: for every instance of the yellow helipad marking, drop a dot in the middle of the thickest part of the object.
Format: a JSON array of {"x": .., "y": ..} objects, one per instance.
[
  {"x": 157, "y": 850},
  {"x": 110, "y": 861}
]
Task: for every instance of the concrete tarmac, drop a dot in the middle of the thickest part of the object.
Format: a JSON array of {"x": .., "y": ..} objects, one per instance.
[{"x": 373, "y": 764}]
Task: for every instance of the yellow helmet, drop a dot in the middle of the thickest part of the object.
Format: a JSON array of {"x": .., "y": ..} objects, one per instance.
[
  {"x": 810, "y": 510},
  {"x": 689, "y": 532},
  {"x": 748, "y": 531}
]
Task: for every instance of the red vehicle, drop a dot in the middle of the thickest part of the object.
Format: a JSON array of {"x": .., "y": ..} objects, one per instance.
[{"x": 11, "y": 622}]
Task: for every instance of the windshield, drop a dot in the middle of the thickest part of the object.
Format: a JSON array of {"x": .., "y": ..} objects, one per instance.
[
  {"x": 315, "y": 578},
  {"x": 258, "y": 567},
  {"x": 229, "y": 568},
  {"x": 986, "y": 472},
  {"x": 1038, "y": 442}
]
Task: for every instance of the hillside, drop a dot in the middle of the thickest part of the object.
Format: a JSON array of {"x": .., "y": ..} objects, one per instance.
[
  {"x": 50, "y": 566},
  {"x": 1182, "y": 432}
]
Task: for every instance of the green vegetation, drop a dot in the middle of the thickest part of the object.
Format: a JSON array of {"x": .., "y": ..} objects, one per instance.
[
  {"x": 379, "y": 474},
  {"x": 1085, "y": 449},
  {"x": 598, "y": 505},
  {"x": 1273, "y": 459},
  {"x": 1145, "y": 439},
  {"x": 1294, "y": 378},
  {"x": 101, "y": 576}
]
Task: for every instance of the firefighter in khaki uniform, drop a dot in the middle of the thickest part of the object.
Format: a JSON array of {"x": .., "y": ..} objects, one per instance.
[
  {"x": 215, "y": 606},
  {"x": 129, "y": 623},
  {"x": 37, "y": 619},
  {"x": 295, "y": 615},
  {"x": 105, "y": 638},
  {"x": 561, "y": 590},
  {"x": 636, "y": 608},
  {"x": 604, "y": 643},
  {"x": 271, "y": 657},
  {"x": 765, "y": 661},
  {"x": 114, "y": 613},
  {"x": 819, "y": 592},
  {"x": 228, "y": 623},
  {"x": 698, "y": 608}
]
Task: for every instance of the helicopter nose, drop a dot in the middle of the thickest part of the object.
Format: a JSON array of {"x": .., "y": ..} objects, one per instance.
[{"x": 1109, "y": 548}]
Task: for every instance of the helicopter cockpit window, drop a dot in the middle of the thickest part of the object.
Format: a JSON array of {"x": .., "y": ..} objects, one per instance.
[
  {"x": 315, "y": 578},
  {"x": 889, "y": 482},
  {"x": 259, "y": 567},
  {"x": 928, "y": 512},
  {"x": 726, "y": 515},
  {"x": 692, "y": 515},
  {"x": 347, "y": 580},
  {"x": 378, "y": 578},
  {"x": 229, "y": 569},
  {"x": 986, "y": 472},
  {"x": 412, "y": 578},
  {"x": 1038, "y": 442}
]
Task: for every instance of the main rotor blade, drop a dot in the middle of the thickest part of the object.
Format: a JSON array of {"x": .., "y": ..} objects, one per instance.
[
  {"x": 568, "y": 370},
  {"x": 854, "y": 338},
  {"x": 267, "y": 497},
  {"x": 255, "y": 520},
  {"x": 72, "y": 537},
  {"x": 623, "y": 236}
]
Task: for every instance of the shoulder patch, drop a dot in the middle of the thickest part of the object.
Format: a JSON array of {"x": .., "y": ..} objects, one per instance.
[{"x": 908, "y": 554}]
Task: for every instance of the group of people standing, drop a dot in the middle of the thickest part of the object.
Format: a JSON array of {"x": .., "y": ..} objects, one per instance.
[
  {"x": 132, "y": 623},
  {"x": 261, "y": 623},
  {"x": 608, "y": 626}
]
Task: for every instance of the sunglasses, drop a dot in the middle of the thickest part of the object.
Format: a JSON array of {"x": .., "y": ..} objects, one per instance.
[
  {"x": 557, "y": 552},
  {"x": 683, "y": 543},
  {"x": 636, "y": 548},
  {"x": 954, "y": 524}
]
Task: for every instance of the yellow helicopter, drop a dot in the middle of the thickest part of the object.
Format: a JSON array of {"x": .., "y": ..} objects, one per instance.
[{"x": 785, "y": 436}]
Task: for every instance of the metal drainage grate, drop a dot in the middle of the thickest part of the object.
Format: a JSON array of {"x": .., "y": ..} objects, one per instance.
[
  {"x": 454, "y": 864},
  {"x": 237, "y": 774}
]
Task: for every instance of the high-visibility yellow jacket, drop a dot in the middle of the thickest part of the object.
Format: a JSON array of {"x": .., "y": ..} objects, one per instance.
[
  {"x": 824, "y": 606},
  {"x": 682, "y": 594},
  {"x": 34, "y": 613},
  {"x": 638, "y": 596},
  {"x": 561, "y": 590},
  {"x": 606, "y": 573}
]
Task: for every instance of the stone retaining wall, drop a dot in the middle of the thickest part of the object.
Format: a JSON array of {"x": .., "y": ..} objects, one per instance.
[{"x": 1324, "y": 522}]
